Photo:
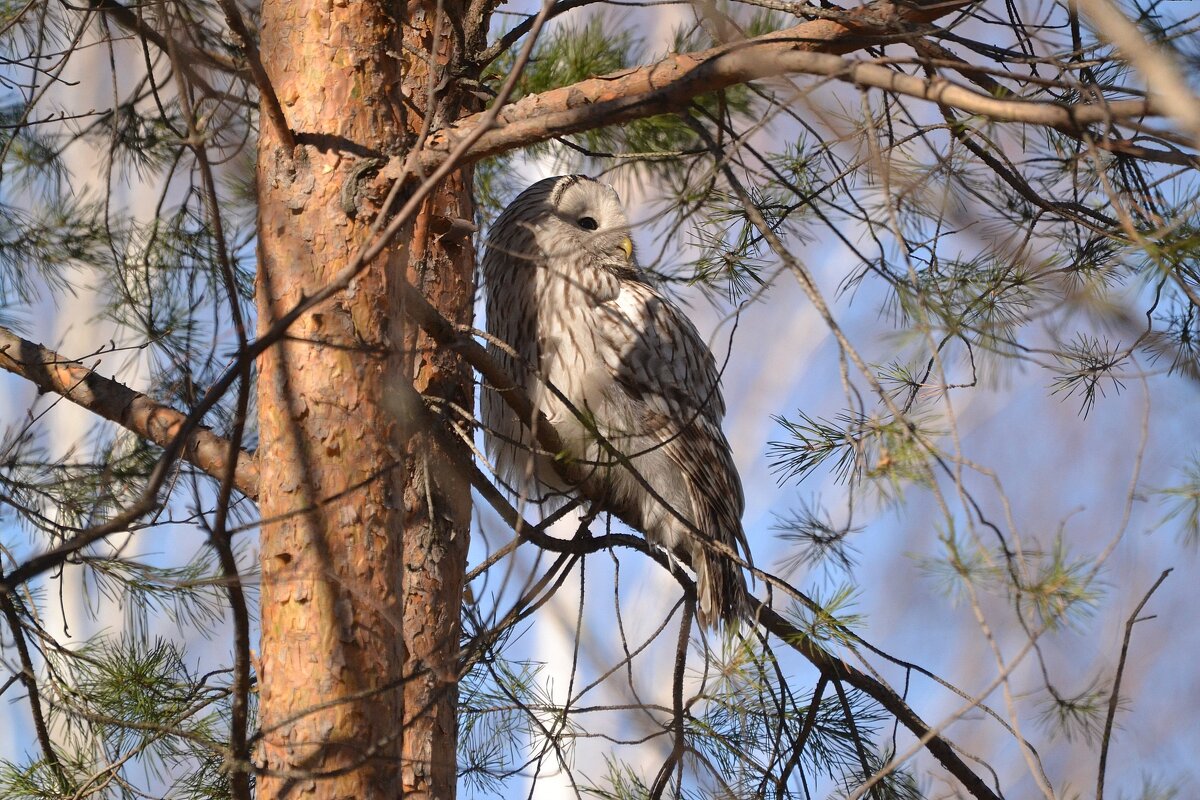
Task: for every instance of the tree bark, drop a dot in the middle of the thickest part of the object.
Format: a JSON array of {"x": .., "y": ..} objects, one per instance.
[{"x": 365, "y": 525}]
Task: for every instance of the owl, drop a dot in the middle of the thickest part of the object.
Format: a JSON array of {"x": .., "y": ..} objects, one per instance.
[{"x": 621, "y": 374}]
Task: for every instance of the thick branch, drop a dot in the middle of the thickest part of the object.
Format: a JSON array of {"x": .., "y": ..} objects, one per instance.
[
  {"x": 809, "y": 48},
  {"x": 116, "y": 402}
]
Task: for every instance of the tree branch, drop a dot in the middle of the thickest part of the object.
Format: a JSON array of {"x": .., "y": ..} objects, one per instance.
[
  {"x": 836, "y": 669},
  {"x": 114, "y": 401},
  {"x": 811, "y": 48},
  {"x": 132, "y": 22},
  {"x": 272, "y": 109},
  {"x": 1158, "y": 66},
  {"x": 1114, "y": 698},
  {"x": 28, "y": 677}
]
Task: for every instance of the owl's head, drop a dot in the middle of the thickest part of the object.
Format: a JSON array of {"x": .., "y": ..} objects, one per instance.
[{"x": 574, "y": 216}]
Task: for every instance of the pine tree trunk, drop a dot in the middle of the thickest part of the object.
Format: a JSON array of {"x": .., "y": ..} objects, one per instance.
[{"x": 365, "y": 527}]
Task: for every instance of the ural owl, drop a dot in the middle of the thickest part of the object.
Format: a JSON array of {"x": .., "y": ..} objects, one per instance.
[{"x": 565, "y": 293}]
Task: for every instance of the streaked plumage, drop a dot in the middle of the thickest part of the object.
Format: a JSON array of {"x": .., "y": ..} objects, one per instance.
[{"x": 564, "y": 291}]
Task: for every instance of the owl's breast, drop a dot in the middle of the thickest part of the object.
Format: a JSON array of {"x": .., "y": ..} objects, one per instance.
[{"x": 581, "y": 349}]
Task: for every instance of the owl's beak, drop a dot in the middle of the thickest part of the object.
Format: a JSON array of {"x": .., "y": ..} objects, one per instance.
[{"x": 627, "y": 247}]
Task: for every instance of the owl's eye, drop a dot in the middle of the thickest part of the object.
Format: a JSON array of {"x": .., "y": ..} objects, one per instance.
[{"x": 588, "y": 223}]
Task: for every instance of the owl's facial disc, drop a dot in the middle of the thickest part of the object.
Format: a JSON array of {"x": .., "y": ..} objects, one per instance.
[{"x": 591, "y": 216}]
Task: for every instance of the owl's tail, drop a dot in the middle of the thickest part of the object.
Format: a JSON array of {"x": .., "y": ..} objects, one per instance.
[{"x": 721, "y": 598}]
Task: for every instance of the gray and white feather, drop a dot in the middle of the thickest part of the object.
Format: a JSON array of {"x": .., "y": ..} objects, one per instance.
[{"x": 565, "y": 293}]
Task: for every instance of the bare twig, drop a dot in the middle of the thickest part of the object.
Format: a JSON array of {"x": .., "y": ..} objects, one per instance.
[
  {"x": 239, "y": 767},
  {"x": 29, "y": 678},
  {"x": 524, "y": 26},
  {"x": 133, "y": 23},
  {"x": 271, "y": 105},
  {"x": 1114, "y": 698},
  {"x": 674, "y": 761}
]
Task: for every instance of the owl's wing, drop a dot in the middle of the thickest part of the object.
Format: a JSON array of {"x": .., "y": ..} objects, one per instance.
[
  {"x": 664, "y": 362},
  {"x": 667, "y": 370}
]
